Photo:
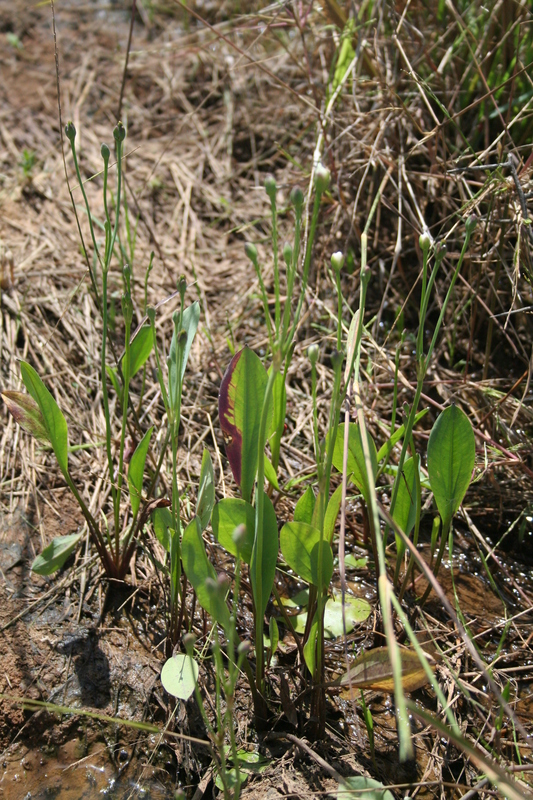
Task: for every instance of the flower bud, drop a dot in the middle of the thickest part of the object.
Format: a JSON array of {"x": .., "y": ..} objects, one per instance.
[
  {"x": 337, "y": 260},
  {"x": 189, "y": 640},
  {"x": 424, "y": 241},
  {"x": 312, "y": 354},
  {"x": 182, "y": 286},
  {"x": 251, "y": 252},
  {"x": 471, "y": 223},
  {"x": 239, "y": 537},
  {"x": 270, "y": 187},
  {"x": 104, "y": 150},
  {"x": 297, "y": 198},
  {"x": 244, "y": 647},
  {"x": 223, "y": 582},
  {"x": 322, "y": 178},
  {"x": 119, "y": 133},
  {"x": 150, "y": 313},
  {"x": 70, "y": 132},
  {"x": 440, "y": 252},
  {"x": 211, "y": 587}
]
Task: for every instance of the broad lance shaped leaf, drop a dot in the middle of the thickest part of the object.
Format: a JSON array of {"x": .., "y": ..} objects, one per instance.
[
  {"x": 136, "y": 471},
  {"x": 270, "y": 556},
  {"x": 206, "y": 491},
  {"x": 451, "y": 458},
  {"x": 189, "y": 324},
  {"x": 240, "y": 405},
  {"x": 162, "y": 519},
  {"x": 197, "y": 569},
  {"x": 27, "y": 413},
  {"x": 140, "y": 349},
  {"x": 54, "y": 556},
  {"x": 405, "y": 510},
  {"x": 54, "y": 421},
  {"x": 300, "y": 545},
  {"x": 305, "y": 506}
]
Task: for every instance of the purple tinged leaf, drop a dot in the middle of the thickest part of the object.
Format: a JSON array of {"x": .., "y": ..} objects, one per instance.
[
  {"x": 27, "y": 413},
  {"x": 240, "y": 405}
]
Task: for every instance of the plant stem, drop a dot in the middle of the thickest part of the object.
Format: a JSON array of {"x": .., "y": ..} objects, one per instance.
[{"x": 257, "y": 553}]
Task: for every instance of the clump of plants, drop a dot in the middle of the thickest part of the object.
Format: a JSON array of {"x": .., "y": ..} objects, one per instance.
[{"x": 252, "y": 412}]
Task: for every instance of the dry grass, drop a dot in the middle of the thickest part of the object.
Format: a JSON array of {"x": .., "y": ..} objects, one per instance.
[{"x": 210, "y": 111}]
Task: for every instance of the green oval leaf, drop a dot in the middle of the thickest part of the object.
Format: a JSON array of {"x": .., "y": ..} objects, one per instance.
[
  {"x": 300, "y": 546},
  {"x": 228, "y": 515},
  {"x": 54, "y": 556},
  {"x": 362, "y": 787},
  {"x": 136, "y": 471},
  {"x": 357, "y": 609},
  {"x": 240, "y": 405},
  {"x": 451, "y": 458},
  {"x": 179, "y": 676},
  {"x": 54, "y": 421}
]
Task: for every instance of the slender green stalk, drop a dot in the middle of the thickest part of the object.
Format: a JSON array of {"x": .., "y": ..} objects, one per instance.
[
  {"x": 70, "y": 132},
  {"x": 423, "y": 361},
  {"x": 271, "y": 189},
  {"x": 384, "y": 586},
  {"x": 127, "y": 312},
  {"x": 175, "y": 407},
  {"x": 324, "y": 473}
]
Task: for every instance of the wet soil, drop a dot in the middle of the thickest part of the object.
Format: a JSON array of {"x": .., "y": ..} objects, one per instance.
[{"x": 57, "y": 647}]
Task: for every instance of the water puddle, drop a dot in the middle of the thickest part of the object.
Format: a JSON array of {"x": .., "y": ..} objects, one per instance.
[{"x": 60, "y": 774}]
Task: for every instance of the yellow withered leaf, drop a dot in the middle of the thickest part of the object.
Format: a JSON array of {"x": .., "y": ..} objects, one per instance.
[{"x": 373, "y": 670}]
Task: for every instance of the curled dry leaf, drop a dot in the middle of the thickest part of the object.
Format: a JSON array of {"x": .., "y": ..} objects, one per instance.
[{"x": 373, "y": 670}]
